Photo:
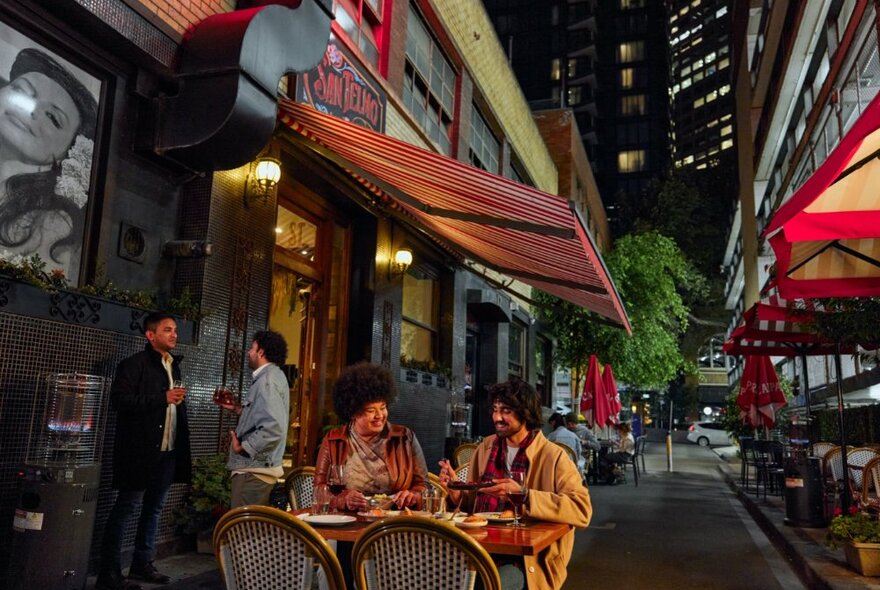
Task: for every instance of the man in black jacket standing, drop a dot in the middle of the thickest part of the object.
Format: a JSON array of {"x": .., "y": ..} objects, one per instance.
[{"x": 151, "y": 451}]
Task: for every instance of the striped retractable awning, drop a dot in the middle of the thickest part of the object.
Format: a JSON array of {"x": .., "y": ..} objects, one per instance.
[
  {"x": 522, "y": 232},
  {"x": 827, "y": 235}
]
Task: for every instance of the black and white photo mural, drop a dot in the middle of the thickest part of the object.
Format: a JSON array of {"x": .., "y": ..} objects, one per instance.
[{"x": 48, "y": 118}]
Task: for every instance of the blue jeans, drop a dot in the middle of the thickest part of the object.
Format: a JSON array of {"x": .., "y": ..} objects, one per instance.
[{"x": 151, "y": 501}]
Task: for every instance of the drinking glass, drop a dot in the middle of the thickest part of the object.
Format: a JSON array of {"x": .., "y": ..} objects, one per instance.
[
  {"x": 518, "y": 497},
  {"x": 223, "y": 396},
  {"x": 322, "y": 500},
  {"x": 179, "y": 384},
  {"x": 336, "y": 481}
]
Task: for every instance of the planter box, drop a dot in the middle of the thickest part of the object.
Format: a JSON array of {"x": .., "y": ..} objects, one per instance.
[
  {"x": 863, "y": 557},
  {"x": 70, "y": 307},
  {"x": 422, "y": 378},
  {"x": 204, "y": 542}
]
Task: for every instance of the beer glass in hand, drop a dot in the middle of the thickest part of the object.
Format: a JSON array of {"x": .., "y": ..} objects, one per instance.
[{"x": 517, "y": 497}]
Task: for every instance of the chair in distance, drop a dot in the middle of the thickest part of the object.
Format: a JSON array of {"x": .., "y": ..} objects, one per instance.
[
  {"x": 463, "y": 453},
  {"x": 857, "y": 462},
  {"x": 641, "y": 441},
  {"x": 401, "y": 553},
  {"x": 300, "y": 487},
  {"x": 262, "y": 547},
  {"x": 869, "y": 499}
]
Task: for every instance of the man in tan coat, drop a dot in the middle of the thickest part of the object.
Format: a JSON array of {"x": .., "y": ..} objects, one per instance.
[{"x": 555, "y": 491}]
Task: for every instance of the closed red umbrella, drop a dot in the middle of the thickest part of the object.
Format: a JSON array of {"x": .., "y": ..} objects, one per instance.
[
  {"x": 612, "y": 394},
  {"x": 593, "y": 405},
  {"x": 760, "y": 393}
]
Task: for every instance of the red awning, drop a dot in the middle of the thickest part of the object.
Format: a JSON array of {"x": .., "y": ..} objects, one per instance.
[
  {"x": 827, "y": 239},
  {"x": 522, "y": 232}
]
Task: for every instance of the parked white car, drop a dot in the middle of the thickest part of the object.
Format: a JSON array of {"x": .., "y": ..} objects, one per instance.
[{"x": 708, "y": 433}]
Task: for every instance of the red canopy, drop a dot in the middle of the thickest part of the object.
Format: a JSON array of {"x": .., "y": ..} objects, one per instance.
[
  {"x": 760, "y": 394},
  {"x": 593, "y": 404},
  {"x": 613, "y": 396},
  {"x": 827, "y": 239},
  {"x": 520, "y": 231}
]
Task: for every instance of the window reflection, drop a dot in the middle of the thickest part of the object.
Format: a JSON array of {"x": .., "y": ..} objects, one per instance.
[{"x": 295, "y": 234}]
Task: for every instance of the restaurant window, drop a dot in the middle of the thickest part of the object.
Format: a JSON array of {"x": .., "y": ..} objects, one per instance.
[
  {"x": 627, "y": 75},
  {"x": 630, "y": 51},
  {"x": 361, "y": 21},
  {"x": 516, "y": 351},
  {"x": 429, "y": 83},
  {"x": 632, "y": 105},
  {"x": 484, "y": 147},
  {"x": 631, "y": 161},
  {"x": 421, "y": 318},
  {"x": 296, "y": 235},
  {"x": 555, "y": 69}
]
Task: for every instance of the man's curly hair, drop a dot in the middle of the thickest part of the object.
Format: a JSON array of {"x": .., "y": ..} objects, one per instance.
[
  {"x": 359, "y": 385},
  {"x": 520, "y": 397},
  {"x": 273, "y": 345}
]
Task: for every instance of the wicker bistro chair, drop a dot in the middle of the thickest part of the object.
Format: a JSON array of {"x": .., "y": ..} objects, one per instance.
[
  {"x": 857, "y": 459},
  {"x": 463, "y": 453},
  {"x": 747, "y": 464},
  {"x": 821, "y": 448},
  {"x": 416, "y": 552},
  {"x": 262, "y": 547},
  {"x": 463, "y": 471},
  {"x": 870, "y": 496},
  {"x": 300, "y": 487},
  {"x": 568, "y": 451}
]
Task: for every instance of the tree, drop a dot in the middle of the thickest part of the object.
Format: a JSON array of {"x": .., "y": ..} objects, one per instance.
[{"x": 657, "y": 285}]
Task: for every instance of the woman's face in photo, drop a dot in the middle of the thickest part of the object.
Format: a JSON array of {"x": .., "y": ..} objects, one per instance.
[{"x": 38, "y": 118}]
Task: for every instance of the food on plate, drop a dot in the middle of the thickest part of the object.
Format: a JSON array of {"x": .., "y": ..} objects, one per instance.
[
  {"x": 407, "y": 511},
  {"x": 474, "y": 518},
  {"x": 377, "y": 512},
  {"x": 381, "y": 496},
  {"x": 506, "y": 514}
]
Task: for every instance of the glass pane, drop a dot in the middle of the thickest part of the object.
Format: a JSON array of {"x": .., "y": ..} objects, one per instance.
[
  {"x": 295, "y": 234},
  {"x": 416, "y": 342},
  {"x": 418, "y": 299}
]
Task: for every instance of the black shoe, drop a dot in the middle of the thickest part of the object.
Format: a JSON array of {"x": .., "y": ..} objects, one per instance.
[
  {"x": 114, "y": 580},
  {"x": 148, "y": 573}
]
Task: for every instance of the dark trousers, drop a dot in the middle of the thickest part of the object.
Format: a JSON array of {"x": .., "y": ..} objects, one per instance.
[{"x": 150, "y": 502}]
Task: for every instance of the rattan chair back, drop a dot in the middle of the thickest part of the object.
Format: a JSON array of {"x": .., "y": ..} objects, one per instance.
[
  {"x": 821, "y": 448},
  {"x": 262, "y": 547},
  {"x": 870, "y": 496},
  {"x": 417, "y": 552},
  {"x": 300, "y": 487},
  {"x": 463, "y": 453},
  {"x": 463, "y": 472},
  {"x": 568, "y": 451},
  {"x": 857, "y": 459}
]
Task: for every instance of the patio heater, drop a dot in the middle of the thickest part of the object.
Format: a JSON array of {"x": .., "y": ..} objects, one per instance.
[{"x": 55, "y": 513}]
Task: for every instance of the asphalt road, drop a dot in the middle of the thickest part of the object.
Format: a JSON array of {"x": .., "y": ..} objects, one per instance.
[{"x": 678, "y": 529}]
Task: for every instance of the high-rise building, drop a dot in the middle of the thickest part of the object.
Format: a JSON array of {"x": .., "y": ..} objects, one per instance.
[
  {"x": 700, "y": 97},
  {"x": 608, "y": 62}
]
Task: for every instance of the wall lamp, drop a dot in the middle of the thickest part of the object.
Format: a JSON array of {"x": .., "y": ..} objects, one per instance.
[
  {"x": 403, "y": 257},
  {"x": 262, "y": 180}
]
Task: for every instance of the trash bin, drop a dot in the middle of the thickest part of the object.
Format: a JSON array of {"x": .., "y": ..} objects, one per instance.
[{"x": 804, "y": 505}]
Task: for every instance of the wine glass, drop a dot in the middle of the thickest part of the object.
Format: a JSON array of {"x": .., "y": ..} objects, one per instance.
[
  {"x": 517, "y": 497},
  {"x": 336, "y": 481}
]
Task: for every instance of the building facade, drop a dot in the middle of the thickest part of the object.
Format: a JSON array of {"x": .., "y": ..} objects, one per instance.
[
  {"x": 803, "y": 74},
  {"x": 168, "y": 212}
]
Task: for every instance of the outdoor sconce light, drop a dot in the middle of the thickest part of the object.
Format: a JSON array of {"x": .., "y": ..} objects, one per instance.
[
  {"x": 401, "y": 261},
  {"x": 262, "y": 180}
]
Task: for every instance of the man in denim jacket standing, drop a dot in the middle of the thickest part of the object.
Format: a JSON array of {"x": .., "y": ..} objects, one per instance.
[{"x": 257, "y": 444}]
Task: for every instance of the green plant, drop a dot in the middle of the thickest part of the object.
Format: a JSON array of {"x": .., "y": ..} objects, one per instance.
[
  {"x": 858, "y": 527},
  {"x": 208, "y": 498},
  {"x": 185, "y": 306},
  {"x": 429, "y": 366}
]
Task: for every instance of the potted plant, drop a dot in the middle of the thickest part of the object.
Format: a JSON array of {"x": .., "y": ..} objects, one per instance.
[
  {"x": 207, "y": 500},
  {"x": 859, "y": 534}
]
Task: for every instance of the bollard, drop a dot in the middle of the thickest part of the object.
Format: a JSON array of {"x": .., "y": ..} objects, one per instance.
[{"x": 669, "y": 452}]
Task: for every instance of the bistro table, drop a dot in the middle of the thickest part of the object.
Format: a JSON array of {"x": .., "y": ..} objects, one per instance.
[{"x": 500, "y": 539}]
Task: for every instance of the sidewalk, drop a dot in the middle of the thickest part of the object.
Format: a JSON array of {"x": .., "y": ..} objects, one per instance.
[{"x": 819, "y": 566}]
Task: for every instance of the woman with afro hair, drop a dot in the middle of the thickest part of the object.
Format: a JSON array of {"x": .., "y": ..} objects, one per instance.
[{"x": 378, "y": 457}]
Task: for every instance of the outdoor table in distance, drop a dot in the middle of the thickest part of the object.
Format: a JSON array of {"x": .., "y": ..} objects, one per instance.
[{"x": 536, "y": 536}]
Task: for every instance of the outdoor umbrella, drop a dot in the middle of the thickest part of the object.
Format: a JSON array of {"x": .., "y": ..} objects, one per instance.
[
  {"x": 827, "y": 235},
  {"x": 760, "y": 394},
  {"x": 612, "y": 394},
  {"x": 593, "y": 405}
]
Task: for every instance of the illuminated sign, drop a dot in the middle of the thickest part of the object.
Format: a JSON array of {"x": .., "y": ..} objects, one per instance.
[{"x": 341, "y": 87}]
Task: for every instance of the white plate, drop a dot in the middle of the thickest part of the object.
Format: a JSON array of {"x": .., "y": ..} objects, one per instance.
[
  {"x": 459, "y": 522},
  {"x": 495, "y": 517},
  {"x": 328, "y": 519}
]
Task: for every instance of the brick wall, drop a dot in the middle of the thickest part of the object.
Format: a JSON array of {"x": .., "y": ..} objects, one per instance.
[{"x": 179, "y": 15}]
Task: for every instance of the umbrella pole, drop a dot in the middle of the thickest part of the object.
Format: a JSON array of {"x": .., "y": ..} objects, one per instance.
[
  {"x": 807, "y": 401},
  {"x": 844, "y": 492}
]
